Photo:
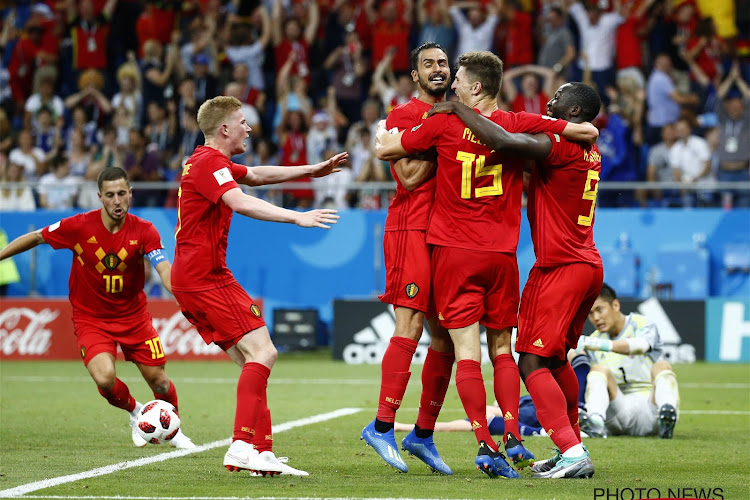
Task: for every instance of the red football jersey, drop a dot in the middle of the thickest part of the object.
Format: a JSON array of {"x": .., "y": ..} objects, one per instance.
[
  {"x": 203, "y": 221},
  {"x": 107, "y": 274},
  {"x": 562, "y": 198},
  {"x": 409, "y": 210},
  {"x": 478, "y": 194}
]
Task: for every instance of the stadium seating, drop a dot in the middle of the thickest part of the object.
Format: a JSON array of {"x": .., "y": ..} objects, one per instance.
[{"x": 683, "y": 271}]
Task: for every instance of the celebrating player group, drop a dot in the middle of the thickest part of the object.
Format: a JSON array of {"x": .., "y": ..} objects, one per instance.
[{"x": 450, "y": 244}]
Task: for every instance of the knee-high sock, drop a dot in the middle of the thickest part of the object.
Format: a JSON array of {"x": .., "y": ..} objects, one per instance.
[
  {"x": 507, "y": 385},
  {"x": 436, "y": 375},
  {"x": 119, "y": 396},
  {"x": 394, "y": 375},
  {"x": 568, "y": 382},
  {"x": 666, "y": 390},
  {"x": 251, "y": 389},
  {"x": 551, "y": 408},
  {"x": 169, "y": 397},
  {"x": 470, "y": 386},
  {"x": 597, "y": 396},
  {"x": 263, "y": 439},
  {"x": 582, "y": 366}
]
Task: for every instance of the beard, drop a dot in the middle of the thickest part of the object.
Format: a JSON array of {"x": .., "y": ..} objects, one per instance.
[{"x": 434, "y": 91}]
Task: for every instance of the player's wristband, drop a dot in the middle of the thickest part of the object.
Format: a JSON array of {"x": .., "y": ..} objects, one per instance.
[
  {"x": 606, "y": 345},
  {"x": 156, "y": 256},
  {"x": 595, "y": 344}
]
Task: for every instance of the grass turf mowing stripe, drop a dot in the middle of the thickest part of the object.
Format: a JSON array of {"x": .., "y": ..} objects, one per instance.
[
  {"x": 19, "y": 491},
  {"x": 88, "y": 497}
]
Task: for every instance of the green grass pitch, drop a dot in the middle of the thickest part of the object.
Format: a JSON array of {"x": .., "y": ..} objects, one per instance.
[{"x": 53, "y": 423}]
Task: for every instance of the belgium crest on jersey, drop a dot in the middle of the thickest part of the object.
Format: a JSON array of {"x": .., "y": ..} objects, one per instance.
[
  {"x": 111, "y": 261},
  {"x": 255, "y": 310},
  {"x": 412, "y": 290}
]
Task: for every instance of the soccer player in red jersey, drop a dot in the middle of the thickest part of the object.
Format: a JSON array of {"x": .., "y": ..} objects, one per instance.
[
  {"x": 567, "y": 275},
  {"x": 408, "y": 284},
  {"x": 106, "y": 292},
  {"x": 208, "y": 294},
  {"x": 474, "y": 227}
]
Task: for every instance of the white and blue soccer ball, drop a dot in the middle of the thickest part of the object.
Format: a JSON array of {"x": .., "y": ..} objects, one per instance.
[{"x": 158, "y": 422}]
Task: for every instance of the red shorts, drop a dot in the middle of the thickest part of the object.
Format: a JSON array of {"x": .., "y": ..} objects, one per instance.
[
  {"x": 473, "y": 285},
  {"x": 222, "y": 315},
  {"x": 407, "y": 271},
  {"x": 554, "y": 307},
  {"x": 137, "y": 338}
]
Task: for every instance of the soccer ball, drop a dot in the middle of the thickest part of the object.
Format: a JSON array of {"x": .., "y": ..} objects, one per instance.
[{"x": 158, "y": 422}]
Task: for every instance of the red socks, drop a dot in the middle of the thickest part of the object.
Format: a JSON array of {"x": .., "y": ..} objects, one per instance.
[
  {"x": 551, "y": 408},
  {"x": 507, "y": 385},
  {"x": 251, "y": 392},
  {"x": 169, "y": 397},
  {"x": 394, "y": 376},
  {"x": 470, "y": 386},
  {"x": 263, "y": 439},
  {"x": 119, "y": 396},
  {"x": 568, "y": 381},
  {"x": 436, "y": 375}
]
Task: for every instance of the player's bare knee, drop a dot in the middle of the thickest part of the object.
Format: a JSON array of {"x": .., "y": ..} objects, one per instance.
[{"x": 660, "y": 366}]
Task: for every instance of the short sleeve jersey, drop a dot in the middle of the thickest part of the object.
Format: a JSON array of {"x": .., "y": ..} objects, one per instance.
[
  {"x": 203, "y": 221},
  {"x": 562, "y": 198},
  {"x": 632, "y": 373},
  {"x": 409, "y": 210},
  {"x": 107, "y": 273},
  {"x": 478, "y": 195}
]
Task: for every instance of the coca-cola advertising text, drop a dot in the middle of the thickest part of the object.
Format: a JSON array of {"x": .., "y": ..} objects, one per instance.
[{"x": 43, "y": 329}]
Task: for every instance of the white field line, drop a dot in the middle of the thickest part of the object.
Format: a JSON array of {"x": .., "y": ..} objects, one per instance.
[
  {"x": 19, "y": 491},
  {"x": 302, "y": 381}
]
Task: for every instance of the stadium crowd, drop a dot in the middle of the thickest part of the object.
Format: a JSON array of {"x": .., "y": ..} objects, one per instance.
[{"x": 89, "y": 84}]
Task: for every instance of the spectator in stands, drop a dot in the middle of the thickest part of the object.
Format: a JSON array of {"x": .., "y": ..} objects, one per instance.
[
  {"x": 391, "y": 90},
  {"x": 28, "y": 156},
  {"x": 292, "y": 38},
  {"x": 202, "y": 43},
  {"x": 89, "y": 33},
  {"x": 79, "y": 155},
  {"x": 157, "y": 70},
  {"x": 143, "y": 164},
  {"x": 629, "y": 39},
  {"x": 44, "y": 97},
  {"x": 344, "y": 18},
  {"x": 58, "y": 189},
  {"x": 558, "y": 48},
  {"x": 597, "y": 32},
  {"x": 321, "y": 138},
  {"x": 80, "y": 121},
  {"x": 19, "y": 199},
  {"x": 370, "y": 116},
  {"x": 663, "y": 98},
  {"x": 513, "y": 37},
  {"x": 161, "y": 129},
  {"x": 733, "y": 112},
  {"x": 34, "y": 48},
  {"x": 659, "y": 169},
  {"x": 704, "y": 47},
  {"x": 108, "y": 154},
  {"x": 690, "y": 160},
  {"x": 390, "y": 29},
  {"x": 47, "y": 134},
  {"x": 475, "y": 28},
  {"x": 250, "y": 54},
  {"x": 435, "y": 23},
  {"x": 348, "y": 67},
  {"x": 618, "y": 162},
  {"x": 91, "y": 98},
  {"x": 292, "y": 133},
  {"x": 192, "y": 137},
  {"x": 130, "y": 96},
  {"x": 186, "y": 96},
  {"x": 204, "y": 75},
  {"x": 291, "y": 94},
  {"x": 531, "y": 98}
]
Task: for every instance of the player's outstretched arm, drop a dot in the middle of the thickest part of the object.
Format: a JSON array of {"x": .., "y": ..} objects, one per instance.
[
  {"x": 536, "y": 147},
  {"x": 258, "y": 176},
  {"x": 255, "y": 208},
  {"x": 581, "y": 132},
  {"x": 22, "y": 243}
]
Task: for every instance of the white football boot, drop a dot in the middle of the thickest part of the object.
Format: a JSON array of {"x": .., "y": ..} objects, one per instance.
[
  {"x": 181, "y": 441},
  {"x": 286, "y": 470},
  {"x": 243, "y": 456},
  {"x": 137, "y": 439}
]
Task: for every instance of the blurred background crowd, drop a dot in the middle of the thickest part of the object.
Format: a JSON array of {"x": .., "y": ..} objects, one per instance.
[{"x": 87, "y": 84}]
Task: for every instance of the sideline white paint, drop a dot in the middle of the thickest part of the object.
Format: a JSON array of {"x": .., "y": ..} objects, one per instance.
[{"x": 20, "y": 491}]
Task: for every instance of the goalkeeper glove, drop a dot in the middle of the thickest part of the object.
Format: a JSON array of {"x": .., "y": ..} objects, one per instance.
[{"x": 593, "y": 344}]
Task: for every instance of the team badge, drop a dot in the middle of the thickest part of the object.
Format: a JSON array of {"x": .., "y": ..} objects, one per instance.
[
  {"x": 255, "y": 310},
  {"x": 412, "y": 290},
  {"x": 111, "y": 261},
  {"x": 83, "y": 352}
]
